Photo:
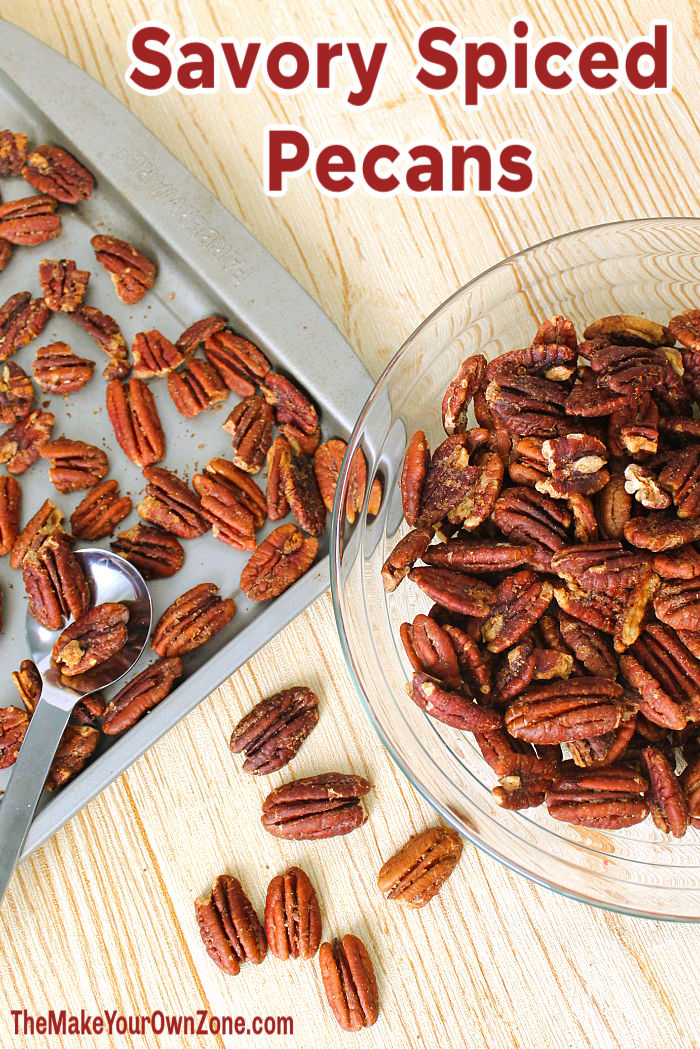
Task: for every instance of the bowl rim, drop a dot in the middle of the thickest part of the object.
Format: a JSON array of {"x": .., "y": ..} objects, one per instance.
[{"x": 336, "y": 544}]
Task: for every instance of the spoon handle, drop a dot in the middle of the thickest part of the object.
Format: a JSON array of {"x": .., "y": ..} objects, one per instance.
[{"x": 26, "y": 783}]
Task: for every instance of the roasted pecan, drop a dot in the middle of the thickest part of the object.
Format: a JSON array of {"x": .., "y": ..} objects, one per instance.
[
  {"x": 14, "y": 723},
  {"x": 154, "y": 354},
  {"x": 455, "y": 590},
  {"x": 605, "y": 798},
  {"x": 585, "y": 524},
  {"x": 74, "y": 465},
  {"x": 232, "y": 502},
  {"x": 594, "y": 398},
  {"x": 53, "y": 170},
  {"x": 290, "y": 404},
  {"x": 316, "y": 807},
  {"x": 658, "y": 533},
  {"x": 63, "y": 285},
  {"x": 601, "y": 566},
  {"x": 55, "y": 582},
  {"x": 198, "y": 333},
  {"x": 678, "y": 604},
  {"x": 557, "y": 330},
  {"x": 473, "y": 662},
  {"x": 21, "y": 445},
  {"x": 614, "y": 507},
  {"x": 576, "y": 465},
  {"x": 16, "y": 393},
  {"x": 156, "y": 553},
  {"x": 520, "y": 601},
  {"x": 685, "y": 327},
  {"x": 349, "y": 982},
  {"x": 608, "y": 748},
  {"x": 681, "y": 477},
  {"x": 524, "y": 780},
  {"x": 171, "y": 505},
  {"x": 13, "y": 152},
  {"x": 478, "y": 555},
  {"x": 250, "y": 426},
  {"x": 5, "y": 253},
  {"x": 327, "y": 461},
  {"x": 589, "y": 646},
  {"x": 280, "y": 560},
  {"x": 597, "y": 609},
  {"x": 430, "y": 648},
  {"x": 481, "y": 493},
  {"x": 10, "y": 497},
  {"x": 239, "y": 363},
  {"x": 272, "y": 732},
  {"x": 28, "y": 683},
  {"x": 404, "y": 555},
  {"x": 532, "y": 517},
  {"x": 292, "y": 916},
  {"x": 229, "y": 927},
  {"x": 644, "y": 486},
  {"x": 357, "y": 486},
  {"x": 690, "y": 781},
  {"x": 93, "y": 638},
  {"x": 301, "y": 443},
  {"x": 448, "y": 479},
  {"x": 552, "y": 360},
  {"x": 527, "y": 464},
  {"x": 459, "y": 394},
  {"x": 140, "y": 694},
  {"x": 98, "y": 514},
  {"x": 515, "y": 671},
  {"x": 452, "y": 708},
  {"x": 192, "y": 620},
  {"x": 648, "y": 678},
  {"x": 665, "y": 796},
  {"x": 528, "y": 405},
  {"x": 635, "y": 371},
  {"x": 135, "y": 420},
  {"x": 415, "y": 467},
  {"x": 302, "y": 493},
  {"x": 682, "y": 563},
  {"x": 418, "y": 871},
  {"x": 45, "y": 521},
  {"x": 105, "y": 331},
  {"x": 58, "y": 370},
  {"x": 131, "y": 272},
  {"x": 78, "y": 744},
  {"x": 277, "y": 505},
  {"x": 196, "y": 387},
  {"x": 634, "y": 429},
  {"x": 22, "y": 318},
  {"x": 31, "y": 220},
  {"x": 635, "y": 610},
  {"x": 626, "y": 330},
  {"x": 566, "y": 710}
]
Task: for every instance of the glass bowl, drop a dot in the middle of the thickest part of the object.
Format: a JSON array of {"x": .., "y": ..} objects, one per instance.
[{"x": 649, "y": 267}]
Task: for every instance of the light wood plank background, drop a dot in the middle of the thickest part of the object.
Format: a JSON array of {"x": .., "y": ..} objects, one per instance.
[{"x": 102, "y": 916}]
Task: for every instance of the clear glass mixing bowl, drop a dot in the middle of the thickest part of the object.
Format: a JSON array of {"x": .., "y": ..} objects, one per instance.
[{"x": 649, "y": 267}]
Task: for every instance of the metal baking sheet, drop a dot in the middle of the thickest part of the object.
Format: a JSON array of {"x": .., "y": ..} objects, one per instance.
[{"x": 207, "y": 263}]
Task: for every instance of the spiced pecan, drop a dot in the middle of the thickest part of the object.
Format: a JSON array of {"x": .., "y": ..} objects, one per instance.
[
  {"x": 589, "y": 646},
  {"x": 644, "y": 486},
  {"x": 171, "y": 505},
  {"x": 22, "y": 318},
  {"x": 27, "y": 681},
  {"x": 134, "y": 417},
  {"x": 77, "y": 745},
  {"x": 404, "y": 555},
  {"x": 290, "y": 404},
  {"x": 452, "y": 708},
  {"x": 21, "y": 445},
  {"x": 44, "y": 522},
  {"x": 154, "y": 354},
  {"x": 196, "y": 387},
  {"x": 634, "y": 428},
  {"x": 515, "y": 671},
  {"x": 525, "y": 516},
  {"x": 602, "y": 566},
  {"x": 614, "y": 507},
  {"x": 528, "y": 405},
  {"x": 561, "y": 711},
  {"x": 240, "y": 364},
  {"x": 74, "y": 465},
  {"x": 685, "y": 327},
  {"x": 524, "y": 780},
  {"x": 665, "y": 796},
  {"x": 474, "y": 664},
  {"x": 192, "y": 620},
  {"x": 415, "y": 468},
  {"x": 681, "y": 477},
  {"x": 63, "y": 285},
  {"x": 659, "y": 533},
  {"x": 690, "y": 781},
  {"x": 319, "y": 806},
  {"x": 430, "y": 648},
  {"x": 5, "y": 253},
  {"x": 459, "y": 394},
  {"x": 605, "y": 798},
  {"x": 608, "y": 748},
  {"x": 448, "y": 479},
  {"x": 98, "y": 514},
  {"x": 482, "y": 490},
  {"x": 155, "y": 553},
  {"x": 292, "y": 916},
  {"x": 520, "y": 601},
  {"x": 30, "y": 220},
  {"x": 624, "y": 329},
  {"x": 349, "y": 982},
  {"x": 14, "y": 723},
  {"x": 302, "y": 493},
  {"x": 646, "y": 670},
  {"x": 327, "y": 460},
  {"x": 526, "y": 462},
  {"x": 273, "y": 731},
  {"x": 105, "y": 331},
  {"x": 198, "y": 333},
  {"x": 140, "y": 694},
  {"x": 681, "y": 563},
  {"x": 16, "y": 393},
  {"x": 55, "y": 582},
  {"x": 635, "y": 610},
  {"x": 131, "y": 271},
  {"x": 13, "y": 152},
  {"x": 276, "y": 500},
  {"x": 92, "y": 639},
  {"x": 301, "y": 443},
  {"x": 10, "y": 497},
  {"x": 455, "y": 590},
  {"x": 553, "y": 360},
  {"x": 556, "y": 330},
  {"x": 250, "y": 426},
  {"x": 576, "y": 465},
  {"x": 280, "y": 560},
  {"x": 420, "y": 868},
  {"x": 232, "y": 502},
  {"x": 58, "y": 370},
  {"x": 597, "y": 609},
  {"x": 678, "y": 604},
  {"x": 229, "y": 927},
  {"x": 478, "y": 555},
  {"x": 53, "y": 170}
]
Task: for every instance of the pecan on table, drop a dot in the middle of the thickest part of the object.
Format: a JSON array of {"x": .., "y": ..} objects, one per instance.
[
  {"x": 666, "y": 797},
  {"x": 349, "y": 982},
  {"x": 154, "y": 354},
  {"x": 250, "y": 426},
  {"x": 192, "y": 620},
  {"x": 63, "y": 285},
  {"x": 31, "y": 220},
  {"x": 560, "y": 711},
  {"x": 47, "y": 520},
  {"x": 273, "y": 731},
  {"x": 99, "y": 513},
  {"x": 291, "y": 406},
  {"x": 302, "y": 493},
  {"x": 105, "y": 331},
  {"x": 74, "y": 465},
  {"x": 196, "y": 387},
  {"x": 300, "y": 442},
  {"x": 52, "y": 170},
  {"x": 197, "y": 333},
  {"x": 92, "y": 639},
  {"x": 155, "y": 553},
  {"x": 280, "y": 560},
  {"x": 605, "y": 798},
  {"x": 229, "y": 927},
  {"x": 55, "y": 582},
  {"x": 16, "y": 393},
  {"x": 13, "y": 152},
  {"x": 171, "y": 505},
  {"x": 131, "y": 271},
  {"x": 420, "y": 868},
  {"x": 452, "y": 708},
  {"x": 459, "y": 393},
  {"x": 10, "y": 498},
  {"x": 14, "y": 723},
  {"x": 134, "y": 417},
  {"x": 77, "y": 745},
  {"x": 22, "y": 318},
  {"x": 319, "y": 806},
  {"x": 232, "y": 502},
  {"x": 58, "y": 370},
  {"x": 277, "y": 505},
  {"x": 21, "y": 445},
  {"x": 240, "y": 364},
  {"x": 292, "y": 916},
  {"x": 140, "y": 694}
]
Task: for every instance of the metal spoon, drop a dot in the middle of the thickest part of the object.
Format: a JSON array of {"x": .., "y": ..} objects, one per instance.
[{"x": 111, "y": 578}]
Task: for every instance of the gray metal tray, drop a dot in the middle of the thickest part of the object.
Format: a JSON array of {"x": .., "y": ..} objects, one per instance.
[{"x": 207, "y": 263}]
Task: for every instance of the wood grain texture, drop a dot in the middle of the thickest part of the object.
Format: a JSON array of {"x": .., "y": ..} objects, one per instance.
[{"x": 102, "y": 916}]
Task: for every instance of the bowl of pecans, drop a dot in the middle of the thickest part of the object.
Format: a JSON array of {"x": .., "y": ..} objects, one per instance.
[{"x": 522, "y": 618}]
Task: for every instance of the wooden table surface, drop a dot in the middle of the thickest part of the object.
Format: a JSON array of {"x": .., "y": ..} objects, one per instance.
[{"x": 102, "y": 916}]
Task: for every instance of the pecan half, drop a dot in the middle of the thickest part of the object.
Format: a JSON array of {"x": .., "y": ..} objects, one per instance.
[
  {"x": 131, "y": 271},
  {"x": 240, "y": 364},
  {"x": 273, "y": 731},
  {"x": 16, "y": 393},
  {"x": 520, "y": 601},
  {"x": 682, "y": 563},
  {"x": 13, "y": 152},
  {"x": 481, "y": 492},
  {"x": 601, "y": 566},
  {"x": 455, "y": 590},
  {"x": 327, "y": 461},
  {"x": 229, "y": 927},
  {"x": 10, "y": 497},
  {"x": 154, "y": 354},
  {"x": 156, "y": 553},
  {"x": 55, "y": 582},
  {"x": 614, "y": 507},
  {"x": 292, "y": 916},
  {"x": 415, "y": 468},
  {"x": 524, "y": 779},
  {"x": 198, "y": 333},
  {"x": 31, "y": 220},
  {"x": 566, "y": 710},
  {"x": 192, "y": 620},
  {"x": 58, "y": 370},
  {"x": 301, "y": 443},
  {"x": 576, "y": 464},
  {"x": 171, "y": 505},
  {"x": 448, "y": 479},
  {"x": 44, "y": 522},
  {"x": 22, "y": 318},
  {"x": 78, "y": 744},
  {"x": 478, "y": 555},
  {"x": 21, "y": 445},
  {"x": 525, "y": 516},
  {"x": 589, "y": 646},
  {"x": 74, "y": 465},
  {"x": 657, "y": 533},
  {"x": 55, "y": 171},
  {"x": 319, "y": 806},
  {"x": 277, "y": 505},
  {"x": 402, "y": 558},
  {"x": 624, "y": 329},
  {"x": 349, "y": 982},
  {"x": 681, "y": 477},
  {"x": 644, "y": 486},
  {"x": 98, "y": 514},
  {"x": 430, "y": 648},
  {"x": 5, "y": 253},
  {"x": 678, "y": 604},
  {"x": 14, "y": 723},
  {"x": 302, "y": 493},
  {"x": 280, "y": 560},
  {"x": 690, "y": 781},
  {"x": 528, "y": 405},
  {"x": 140, "y": 694},
  {"x": 290, "y": 404},
  {"x": 606, "y": 798},
  {"x": 654, "y": 702},
  {"x": 666, "y": 797},
  {"x": 105, "y": 331},
  {"x": 196, "y": 387},
  {"x": 685, "y": 327},
  {"x": 63, "y": 285},
  {"x": 418, "y": 871},
  {"x": 452, "y": 708},
  {"x": 250, "y": 426},
  {"x": 232, "y": 502},
  {"x": 92, "y": 639},
  {"x": 459, "y": 394},
  {"x": 134, "y": 417}
]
